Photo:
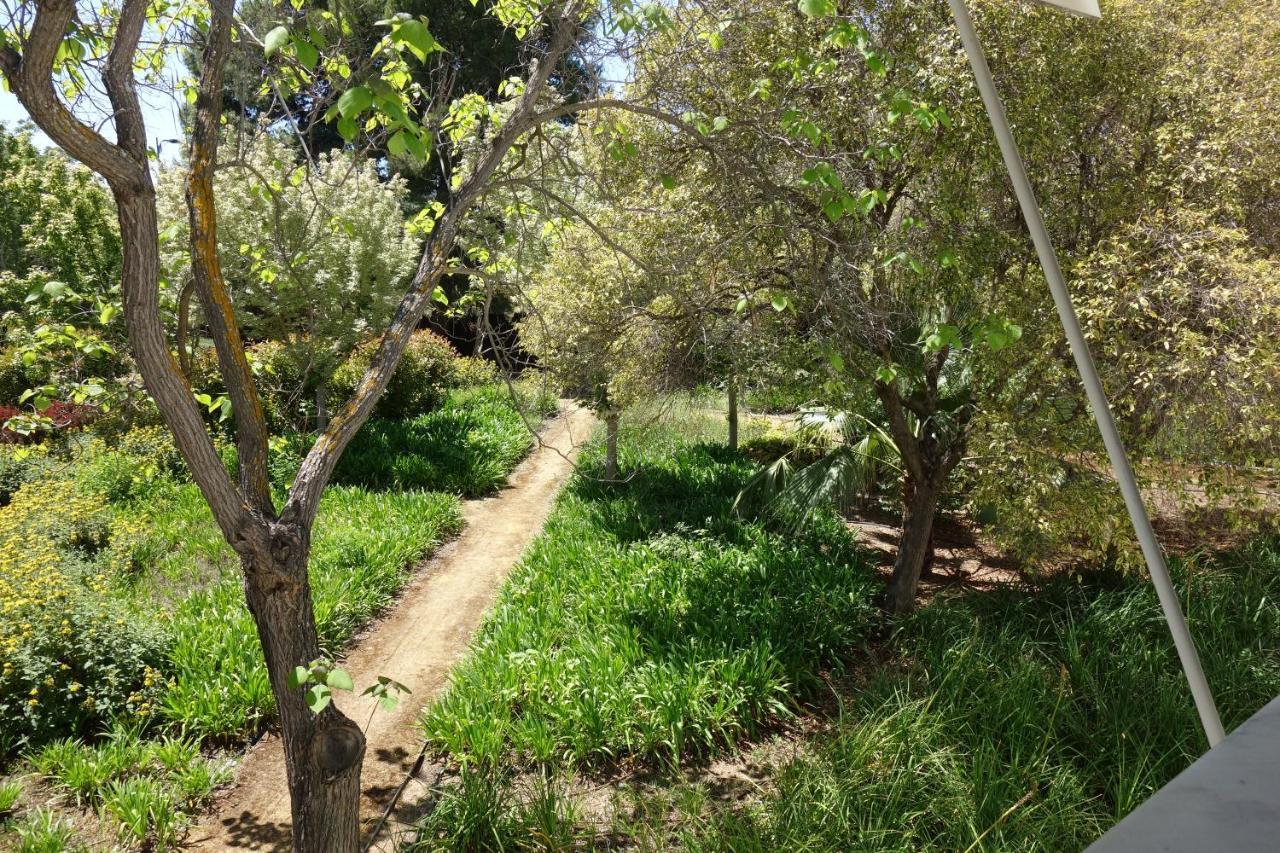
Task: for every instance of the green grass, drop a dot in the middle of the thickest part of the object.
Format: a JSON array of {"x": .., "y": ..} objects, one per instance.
[
  {"x": 1022, "y": 721},
  {"x": 646, "y": 622},
  {"x": 466, "y": 447},
  {"x": 144, "y": 789},
  {"x": 169, "y": 570},
  {"x": 365, "y": 547}
]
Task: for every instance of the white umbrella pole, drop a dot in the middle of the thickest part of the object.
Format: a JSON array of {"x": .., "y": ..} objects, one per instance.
[{"x": 1092, "y": 384}]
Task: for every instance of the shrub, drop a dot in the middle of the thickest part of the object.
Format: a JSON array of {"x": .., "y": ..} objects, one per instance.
[
  {"x": 20, "y": 465},
  {"x": 285, "y": 383},
  {"x": 426, "y": 372},
  {"x": 471, "y": 372},
  {"x": 16, "y": 377},
  {"x": 68, "y": 658}
]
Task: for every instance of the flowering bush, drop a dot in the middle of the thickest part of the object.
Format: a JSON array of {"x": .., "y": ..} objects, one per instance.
[
  {"x": 67, "y": 658},
  {"x": 425, "y": 373}
]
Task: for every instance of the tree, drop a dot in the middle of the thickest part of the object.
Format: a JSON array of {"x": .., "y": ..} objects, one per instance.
[
  {"x": 856, "y": 147},
  {"x": 323, "y": 748},
  {"x": 314, "y": 257},
  {"x": 585, "y": 327}
]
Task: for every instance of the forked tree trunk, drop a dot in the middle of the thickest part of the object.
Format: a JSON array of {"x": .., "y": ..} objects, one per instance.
[
  {"x": 914, "y": 548},
  {"x": 611, "y": 446},
  {"x": 733, "y": 415},
  {"x": 323, "y": 752}
]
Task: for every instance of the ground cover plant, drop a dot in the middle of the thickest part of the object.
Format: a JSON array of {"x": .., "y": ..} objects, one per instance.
[
  {"x": 465, "y": 449},
  {"x": 128, "y": 653},
  {"x": 646, "y": 627},
  {"x": 1002, "y": 720},
  {"x": 1021, "y": 720}
]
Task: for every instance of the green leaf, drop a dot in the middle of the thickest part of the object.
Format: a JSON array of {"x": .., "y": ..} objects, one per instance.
[
  {"x": 347, "y": 128},
  {"x": 416, "y": 146},
  {"x": 396, "y": 144},
  {"x": 318, "y": 697},
  {"x": 780, "y": 301},
  {"x": 668, "y": 182},
  {"x": 415, "y": 35},
  {"x": 355, "y": 101},
  {"x": 54, "y": 289},
  {"x": 300, "y": 676},
  {"x": 720, "y": 123},
  {"x": 339, "y": 679},
  {"x": 306, "y": 53},
  {"x": 886, "y": 374},
  {"x": 275, "y": 40},
  {"x": 944, "y": 335},
  {"x": 817, "y": 8}
]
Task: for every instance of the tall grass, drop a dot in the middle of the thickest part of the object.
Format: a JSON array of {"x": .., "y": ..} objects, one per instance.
[
  {"x": 1023, "y": 721},
  {"x": 648, "y": 622},
  {"x": 365, "y": 547},
  {"x": 467, "y": 447}
]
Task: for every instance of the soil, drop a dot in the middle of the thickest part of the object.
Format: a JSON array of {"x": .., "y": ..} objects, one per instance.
[{"x": 417, "y": 642}]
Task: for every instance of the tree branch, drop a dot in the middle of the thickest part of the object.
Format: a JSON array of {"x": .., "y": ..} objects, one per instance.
[
  {"x": 131, "y": 130},
  {"x": 206, "y": 269},
  {"x": 30, "y": 74},
  {"x": 317, "y": 467}
]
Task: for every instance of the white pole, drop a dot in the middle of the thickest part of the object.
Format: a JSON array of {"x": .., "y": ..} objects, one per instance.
[{"x": 1092, "y": 384}]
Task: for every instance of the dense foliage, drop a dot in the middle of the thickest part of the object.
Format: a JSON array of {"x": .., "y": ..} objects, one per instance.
[{"x": 59, "y": 275}]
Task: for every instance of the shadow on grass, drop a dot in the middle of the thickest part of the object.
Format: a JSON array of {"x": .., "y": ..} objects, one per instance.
[{"x": 648, "y": 622}]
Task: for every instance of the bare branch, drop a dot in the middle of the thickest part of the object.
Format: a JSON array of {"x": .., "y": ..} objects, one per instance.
[{"x": 206, "y": 270}]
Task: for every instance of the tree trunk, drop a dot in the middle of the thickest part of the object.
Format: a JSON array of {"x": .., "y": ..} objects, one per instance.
[
  {"x": 913, "y": 548},
  {"x": 323, "y": 752},
  {"x": 611, "y": 446},
  {"x": 322, "y": 406},
  {"x": 733, "y": 415},
  {"x": 183, "y": 333}
]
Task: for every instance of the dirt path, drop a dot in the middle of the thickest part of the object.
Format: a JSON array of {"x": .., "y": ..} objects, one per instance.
[{"x": 416, "y": 642}]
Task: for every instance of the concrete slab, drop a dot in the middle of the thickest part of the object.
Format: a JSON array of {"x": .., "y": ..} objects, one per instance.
[{"x": 1228, "y": 800}]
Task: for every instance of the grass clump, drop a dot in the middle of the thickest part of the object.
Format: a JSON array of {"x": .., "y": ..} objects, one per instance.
[
  {"x": 646, "y": 621},
  {"x": 145, "y": 789},
  {"x": 1023, "y": 721},
  {"x": 467, "y": 447},
  {"x": 44, "y": 831}
]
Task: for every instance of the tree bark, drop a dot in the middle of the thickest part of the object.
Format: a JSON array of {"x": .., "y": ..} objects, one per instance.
[
  {"x": 322, "y": 406},
  {"x": 914, "y": 547},
  {"x": 733, "y": 414},
  {"x": 183, "y": 333},
  {"x": 611, "y": 446},
  {"x": 323, "y": 752}
]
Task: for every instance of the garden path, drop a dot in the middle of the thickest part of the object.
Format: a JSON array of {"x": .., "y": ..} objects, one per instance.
[{"x": 416, "y": 642}]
